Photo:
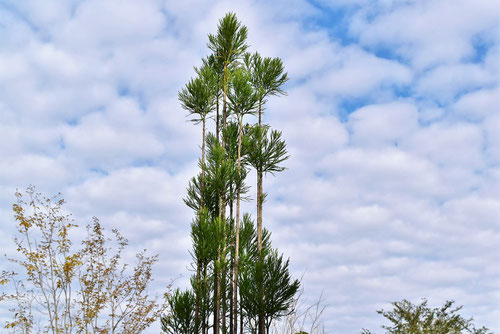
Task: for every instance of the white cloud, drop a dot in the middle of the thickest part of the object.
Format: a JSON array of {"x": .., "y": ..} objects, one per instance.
[
  {"x": 480, "y": 211},
  {"x": 36, "y": 167},
  {"x": 89, "y": 107},
  {"x": 46, "y": 16},
  {"x": 388, "y": 170},
  {"x": 444, "y": 83},
  {"x": 457, "y": 145},
  {"x": 492, "y": 125},
  {"x": 478, "y": 104},
  {"x": 113, "y": 138},
  {"x": 427, "y": 33},
  {"x": 97, "y": 23},
  {"x": 383, "y": 124},
  {"x": 129, "y": 189},
  {"x": 357, "y": 72}
]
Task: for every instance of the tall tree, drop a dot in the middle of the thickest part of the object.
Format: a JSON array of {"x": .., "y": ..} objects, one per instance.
[
  {"x": 228, "y": 45},
  {"x": 198, "y": 98},
  {"x": 243, "y": 86},
  {"x": 243, "y": 101},
  {"x": 268, "y": 77}
]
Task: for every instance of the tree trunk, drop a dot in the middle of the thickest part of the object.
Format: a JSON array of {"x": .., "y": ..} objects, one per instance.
[
  {"x": 224, "y": 116},
  {"x": 217, "y": 292},
  {"x": 241, "y": 319},
  {"x": 237, "y": 244},
  {"x": 197, "y": 305},
  {"x": 259, "y": 192},
  {"x": 260, "y": 113},
  {"x": 217, "y": 122},
  {"x": 224, "y": 104},
  {"x": 259, "y": 222},
  {"x": 204, "y": 325},
  {"x": 259, "y": 214},
  {"x": 231, "y": 266},
  {"x": 224, "y": 296},
  {"x": 203, "y": 158}
]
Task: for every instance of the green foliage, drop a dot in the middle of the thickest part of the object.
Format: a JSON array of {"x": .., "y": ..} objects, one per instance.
[
  {"x": 265, "y": 150},
  {"x": 230, "y": 135},
  {"x": 270, "y": 281},
  {"x": 242, "y": 97},
  {"x": 198, "y": 97},
  {"x": 248, "y": 242},
  {"x": 203, "y": 235},
  {"x": 181, "y": 319},
  {"x": 408, "y": 318},
  {"x": 267, "y": 74},
  {"x": 230, "y": 41},
  {"x": 219, "y": 175}
]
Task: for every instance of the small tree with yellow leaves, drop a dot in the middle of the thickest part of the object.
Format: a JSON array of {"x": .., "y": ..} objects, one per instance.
[{"x": 61, "y": 290}]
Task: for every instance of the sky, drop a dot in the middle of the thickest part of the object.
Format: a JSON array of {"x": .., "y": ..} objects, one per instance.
[{"x": 392, "y": 121}]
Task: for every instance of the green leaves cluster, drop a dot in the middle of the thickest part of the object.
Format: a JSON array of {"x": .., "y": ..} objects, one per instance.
[
  {"x": 409, "y": 318},
  {"x": 182, "y": 304},
  {"x": 279, "y": 288},
  {"x": 265, "y": 149},
  {"x": 198, "y": 97}
]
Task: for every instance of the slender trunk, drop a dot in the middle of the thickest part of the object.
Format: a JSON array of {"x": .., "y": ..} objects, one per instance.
[
  {"x": 224, "y": 296},
  {"x": 217, "y": 122},
  {"x": 224, "y": 104},
  {"x": 197, "y": 305},
  {"x": 55, "y": 328},
  {"x": 241, "y": 318},
  {"x": 231, "y": 284},
  {"x": 236, "y": 265},
  {"x": 203, "y": 156},
  {"x": 259, "y": 246},
  {"x": 259, "y": 220},
  {"x": 259, "y": 214},
  {"x": 262, "y": 324},
  {"x": 217, "y": 299},
  {"x": 204, "y": 324},
  {"x": 260, "y": 113},
  {"x": 217, "y": 277},
  {"x": 259, "y": 190},
  {"x": 237, "y": 243},
  {"x": 226, "y": 271},
  {"x": 231, "y": 267},
  {"x": 224, "y": 116}
]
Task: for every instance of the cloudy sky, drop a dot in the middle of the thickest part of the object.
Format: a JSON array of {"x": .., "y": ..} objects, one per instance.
[{"x": 392, "y": 120}]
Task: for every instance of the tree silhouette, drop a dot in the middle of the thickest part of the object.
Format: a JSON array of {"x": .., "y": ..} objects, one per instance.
[{"x": 225, "y": 247}]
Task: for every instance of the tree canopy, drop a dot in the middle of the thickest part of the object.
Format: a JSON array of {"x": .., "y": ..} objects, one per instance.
[{"x": 409, "y": 318}]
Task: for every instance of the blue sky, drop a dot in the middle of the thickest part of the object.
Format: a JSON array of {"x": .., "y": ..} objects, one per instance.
[{"x": 392, "y": 120}]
